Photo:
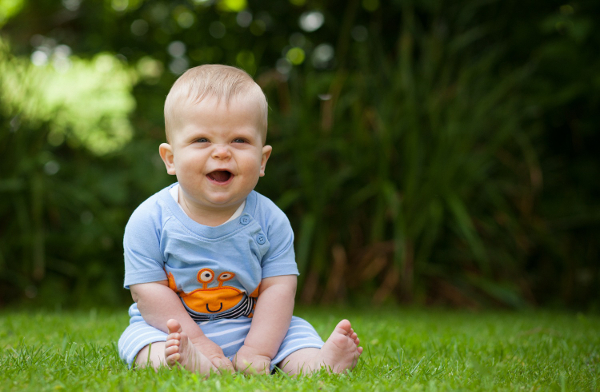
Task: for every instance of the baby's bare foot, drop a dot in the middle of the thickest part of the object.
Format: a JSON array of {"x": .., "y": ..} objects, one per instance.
[
  {"x": 180, "y": 350},
  {"x": 340, "y": 352}
]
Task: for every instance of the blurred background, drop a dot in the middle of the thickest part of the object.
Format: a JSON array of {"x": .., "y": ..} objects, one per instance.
[{"x": 427, "y": 153}]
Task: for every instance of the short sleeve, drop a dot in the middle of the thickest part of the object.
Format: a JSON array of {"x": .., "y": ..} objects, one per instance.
[
  {"x": 141, "y": 244},
  {"x": 280, "y": 259}
]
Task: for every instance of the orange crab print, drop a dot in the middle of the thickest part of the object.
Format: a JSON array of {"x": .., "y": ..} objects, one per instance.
[{"x": 210, "y": 299}]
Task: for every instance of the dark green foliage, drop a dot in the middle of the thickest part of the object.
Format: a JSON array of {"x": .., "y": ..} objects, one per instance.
[{"x": 447, "y": 153}]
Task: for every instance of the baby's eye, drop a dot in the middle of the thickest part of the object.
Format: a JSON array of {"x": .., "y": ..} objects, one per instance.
[
  {"x": 239, "y": 140},
  {"x": 202, "y": 140}
]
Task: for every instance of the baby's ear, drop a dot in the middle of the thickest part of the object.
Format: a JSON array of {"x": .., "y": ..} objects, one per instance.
[
  {"x": 266, "y": 153},
  {"x": 166, "y": 153}
]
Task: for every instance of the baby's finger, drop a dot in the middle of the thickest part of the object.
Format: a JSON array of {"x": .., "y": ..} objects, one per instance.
[
  {"x": 258, "y": 367},
  {"x": 223, "y": 364},
  {"x": 227, "y": 365}
]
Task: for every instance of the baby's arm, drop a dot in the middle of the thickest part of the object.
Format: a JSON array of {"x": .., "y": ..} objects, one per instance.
[
  {"x": 270, "y": 324},
  {"x": 158, "y": 303}
]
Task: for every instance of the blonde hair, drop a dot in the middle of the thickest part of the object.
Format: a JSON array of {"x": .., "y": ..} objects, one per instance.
[{"x": 215, "y": 80}]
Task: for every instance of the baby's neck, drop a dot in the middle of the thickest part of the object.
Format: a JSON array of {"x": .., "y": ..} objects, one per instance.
[
  {"x": 206, "y": 218},
  {"x": 210, "y": 218}
]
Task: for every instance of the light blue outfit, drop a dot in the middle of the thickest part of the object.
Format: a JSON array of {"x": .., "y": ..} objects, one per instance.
[{"x": 215, "y": 270}]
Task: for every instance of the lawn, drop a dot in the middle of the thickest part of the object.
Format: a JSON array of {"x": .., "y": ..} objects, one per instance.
[{"x": 404, "y": 350}]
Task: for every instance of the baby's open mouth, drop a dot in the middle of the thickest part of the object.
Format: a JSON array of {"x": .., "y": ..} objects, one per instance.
[{"x": 220, "y": 175}]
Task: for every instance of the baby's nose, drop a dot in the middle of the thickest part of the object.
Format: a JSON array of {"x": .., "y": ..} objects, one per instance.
[{"x": 221, "y": 151}]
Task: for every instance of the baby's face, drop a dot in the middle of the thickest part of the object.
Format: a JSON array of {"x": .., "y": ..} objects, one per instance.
[{"x": 217, "y": 152}]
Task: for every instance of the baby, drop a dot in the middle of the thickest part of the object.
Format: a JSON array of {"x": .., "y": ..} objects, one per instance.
[{"x": 209, "y": 261}]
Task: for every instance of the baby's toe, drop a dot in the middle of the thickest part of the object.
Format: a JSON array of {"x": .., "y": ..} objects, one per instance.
[
  {"x": 173, "y": 326},
  {"x": 344, "y": 327},
  {"x": 174, "y": 336}
]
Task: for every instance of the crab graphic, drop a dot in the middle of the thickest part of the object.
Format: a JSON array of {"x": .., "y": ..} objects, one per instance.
[{"x": 210, "y": 299}]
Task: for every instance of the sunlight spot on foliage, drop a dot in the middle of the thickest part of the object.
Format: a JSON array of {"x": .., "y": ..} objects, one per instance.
[
  {"x": 139, "y": 27},
  {"x": 176, "y": 48},
  {"x": 9, "y": 8},
  {"x": 322, "y": 55},
  {"x": 62, "y": 51},
  {"x": 87, "y": 102},
  {"x": 124, "y": 5},
  {"x": 244, "y": 18},
  {"x": 295, "y": 56},
  {"x": 71, "y": 5},
  {"x": 51, "y": 168},
  {"x": 61, "y": 64},
  {"x": 105, "y": 64},
  {"x": 311, "y": 21},
  {"x": 56, "y": 138},
  {"x": 185, "y": 19},
  {"x": 39, "y": 58},
  {"x": 283, "y": 66},
  {"x": 120, "y": 5},
  {"x": 360, "y": 33},
  {"x": 159, "y": 12},
  {"x": 370, "y": 5},
  {"x": 204, "y": 3},
  {"x": 47, "y": 51},
  {"x": 178, "y": 65},
  {"x": 233, "y": 5},
  {"x": 150, "y": 69},
  {"x": 217, "y": 29}
]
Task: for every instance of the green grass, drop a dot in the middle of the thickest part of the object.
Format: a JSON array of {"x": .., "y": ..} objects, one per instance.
[{"x": 404, "y": 350}]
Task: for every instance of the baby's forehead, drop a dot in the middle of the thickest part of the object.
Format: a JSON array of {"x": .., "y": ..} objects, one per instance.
[{"x": 231, "y": 103}]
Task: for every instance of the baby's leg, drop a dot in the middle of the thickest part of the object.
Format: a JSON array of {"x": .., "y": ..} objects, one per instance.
[
  {"x": 152, "y": 355},
  {"x": 178, "y": 350},
  {"x": 339, "y": 353}
]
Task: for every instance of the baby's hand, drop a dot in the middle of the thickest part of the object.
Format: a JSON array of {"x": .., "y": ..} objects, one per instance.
[
  {"x": 249, "y": 361},
  {"x": 212, "y": 351}
]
